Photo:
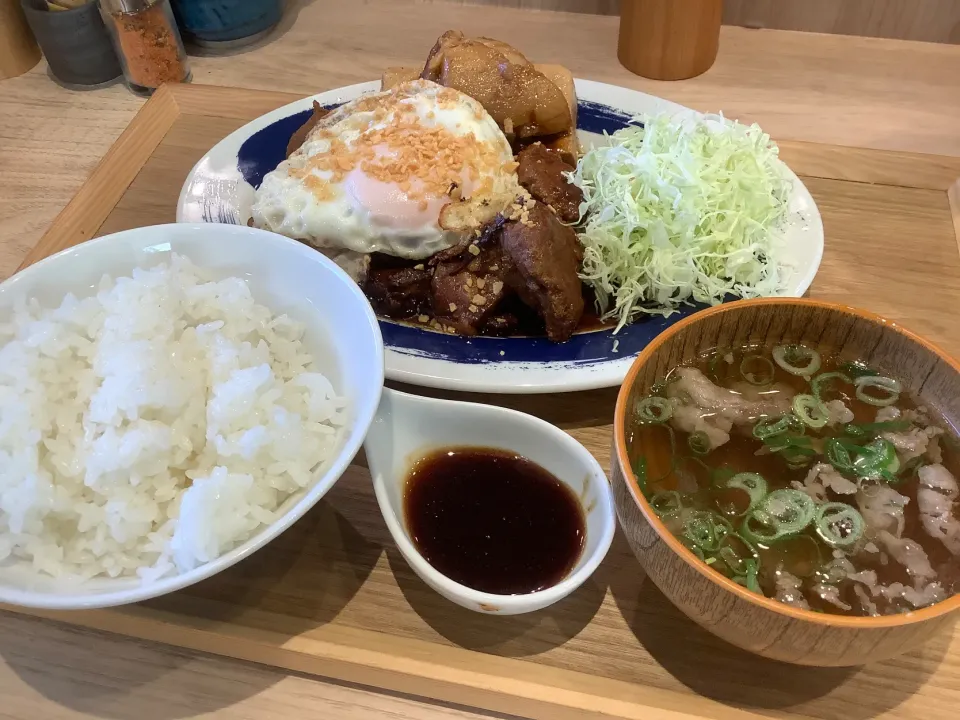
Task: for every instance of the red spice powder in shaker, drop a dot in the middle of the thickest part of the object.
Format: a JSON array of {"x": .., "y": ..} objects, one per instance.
[{"x": 150, "y": 46}]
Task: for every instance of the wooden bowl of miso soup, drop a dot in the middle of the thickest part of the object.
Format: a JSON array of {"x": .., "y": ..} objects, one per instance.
[{"x": 786, "y": 471}]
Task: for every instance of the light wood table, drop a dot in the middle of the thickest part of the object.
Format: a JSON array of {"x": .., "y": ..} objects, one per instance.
[{"x": 842, "y": 90}]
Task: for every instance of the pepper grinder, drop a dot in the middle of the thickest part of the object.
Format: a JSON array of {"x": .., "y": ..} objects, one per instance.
[
  {"x": 148, "y": 43},
  {"x": 669, "y": 39}
]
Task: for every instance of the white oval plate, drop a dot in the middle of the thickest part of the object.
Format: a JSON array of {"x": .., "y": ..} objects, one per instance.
[{"x": 221, "y": 189}]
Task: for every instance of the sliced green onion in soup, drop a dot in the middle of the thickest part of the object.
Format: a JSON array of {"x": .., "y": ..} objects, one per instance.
[
  {"x": 666, "y": 503},
  {"x": 735, "y": 553},
  {"x": 782, "y": 513},
  {"x": 757, "y": 370},
  {"x": 819, "y": 384},
  {"x": 699, "y": 443},
  {"x": 705, "y": 530},
  {"x": 731, "y": 560},
  {"x": 797, "y": 359},
  {"x": 838, "y": 455},
  {"x": 749, "y": 579},
  {"x": 769, "y": 427},
  {"x": 839, "y": 524},
  {"x": 793, "y": 509},
  {"x": 811, "y": 411},
  {"x": 877, "y": 457},
  {"x": 640, "y": 468},
  {"x": 753, "y": 484},
  {"x": 883, "y": 391},
  {"x": 854, "y": 370},
  {"x": 791, "y": 444},
  {"x": 760, "y": 528},
  {"x": 718, "y": 476},
  {"x": 739, "y": 560},
  {"x": 640, "y": 471},
  {"x": 653, "y": 409},
  {"x": 796, "y": 450},
  {"x": 862, "y": 430},
  {"x": 659, "y": 387}
]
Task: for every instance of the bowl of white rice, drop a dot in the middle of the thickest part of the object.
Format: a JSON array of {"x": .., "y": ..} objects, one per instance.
[{"x": 171, "y": 399}]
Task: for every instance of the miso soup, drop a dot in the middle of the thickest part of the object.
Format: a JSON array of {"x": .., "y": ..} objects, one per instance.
[{"x": 807, "y": 479}]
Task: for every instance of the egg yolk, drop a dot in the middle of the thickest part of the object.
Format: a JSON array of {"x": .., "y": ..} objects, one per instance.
[{"x": 390, "y": 206}]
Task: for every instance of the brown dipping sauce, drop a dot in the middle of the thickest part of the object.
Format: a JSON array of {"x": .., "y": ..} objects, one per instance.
[{"x": 493, "y": 520}]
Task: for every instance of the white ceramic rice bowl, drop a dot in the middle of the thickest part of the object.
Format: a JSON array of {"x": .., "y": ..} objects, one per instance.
[{"x": 341, "y": 333}]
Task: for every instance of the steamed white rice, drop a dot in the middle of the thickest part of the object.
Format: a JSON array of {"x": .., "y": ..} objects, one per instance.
[{"x": 153, "y": 427}]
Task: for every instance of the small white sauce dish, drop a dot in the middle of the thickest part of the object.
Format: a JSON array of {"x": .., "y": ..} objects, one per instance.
[
  {"x": 341, "y": 332},
  {"x": 408, "y": 427}
]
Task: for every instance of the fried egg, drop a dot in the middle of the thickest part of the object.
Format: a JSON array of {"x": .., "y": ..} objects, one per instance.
[{"x": 405, "y": 172}]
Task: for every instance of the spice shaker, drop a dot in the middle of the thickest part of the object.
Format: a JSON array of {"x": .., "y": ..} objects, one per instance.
[{"x": 148, "y": 43}]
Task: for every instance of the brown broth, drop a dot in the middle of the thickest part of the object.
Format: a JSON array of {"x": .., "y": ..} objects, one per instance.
[
  {"x": 670, "y": 465},
  {"x": 493, "y": 521}
]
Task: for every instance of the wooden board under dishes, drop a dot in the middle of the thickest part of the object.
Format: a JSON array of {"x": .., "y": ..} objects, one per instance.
[{"x": 333, "y": 597}]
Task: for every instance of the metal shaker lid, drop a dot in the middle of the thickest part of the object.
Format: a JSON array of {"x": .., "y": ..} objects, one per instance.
[{"x": 126, "y": 6}]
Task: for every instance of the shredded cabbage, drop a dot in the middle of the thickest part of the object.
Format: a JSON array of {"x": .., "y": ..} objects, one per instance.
[{"x": 681, "y": 209}]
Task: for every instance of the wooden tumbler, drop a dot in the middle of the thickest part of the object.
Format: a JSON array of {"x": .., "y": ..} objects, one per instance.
[
  {"x": 669, "y": 39},
  {"x": 18, "y": 50}
]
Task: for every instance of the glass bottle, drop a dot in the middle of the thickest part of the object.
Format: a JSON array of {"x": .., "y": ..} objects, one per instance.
[{"x": 148, "y": 43}]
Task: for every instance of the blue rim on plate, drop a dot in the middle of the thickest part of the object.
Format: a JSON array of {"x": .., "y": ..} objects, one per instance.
[{"x": 590, "y": 359}]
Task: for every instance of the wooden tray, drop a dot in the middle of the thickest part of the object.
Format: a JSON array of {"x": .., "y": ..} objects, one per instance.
[{"x": 333, "y": 597}]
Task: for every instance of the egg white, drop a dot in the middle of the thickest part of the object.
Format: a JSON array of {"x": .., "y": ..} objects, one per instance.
[{"x": 334, "y": 219}]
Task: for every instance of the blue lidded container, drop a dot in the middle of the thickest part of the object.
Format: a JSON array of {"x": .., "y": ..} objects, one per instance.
[{"x": 226, "y": 21}]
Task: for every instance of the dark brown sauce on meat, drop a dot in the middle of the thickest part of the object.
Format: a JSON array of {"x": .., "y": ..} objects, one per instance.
[
  {"x": 493, "y": 520},
  {"x": 528, "y": 324},
  {"x": 523, "y": 321}
]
